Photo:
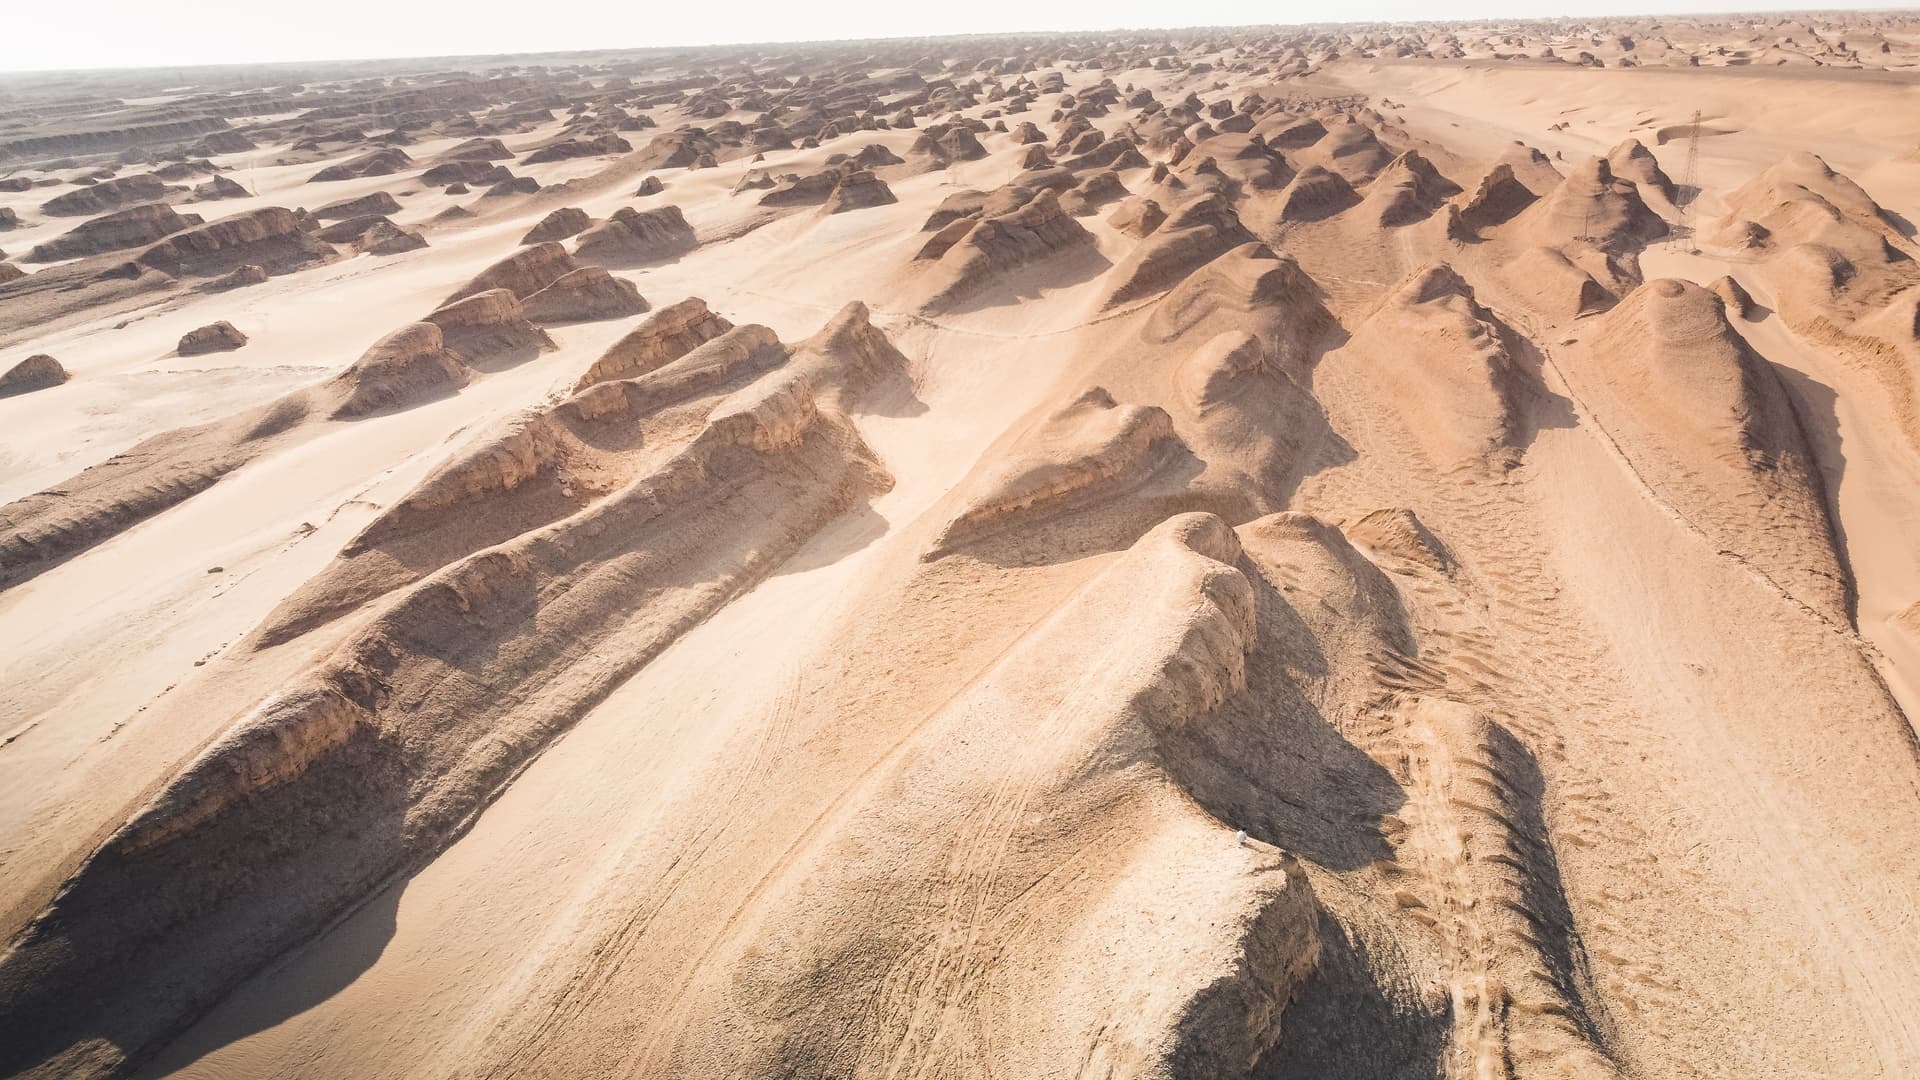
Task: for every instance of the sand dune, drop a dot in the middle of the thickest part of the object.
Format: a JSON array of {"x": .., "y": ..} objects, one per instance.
[{"x": 1347, "y": 551}]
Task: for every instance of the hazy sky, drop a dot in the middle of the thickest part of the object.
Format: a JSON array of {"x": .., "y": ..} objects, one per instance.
[{"x": 46, "y": 34}]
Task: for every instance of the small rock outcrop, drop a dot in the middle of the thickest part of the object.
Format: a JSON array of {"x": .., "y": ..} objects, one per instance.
[
  {"x": 37, "y": 372},
  {"x": 216, "y": 337},
  {"x": 587, "y": 294},
  {"x": 249, "y": 274},
  {"x": 108, "y": 195},
  {"x": 386, "y": 238},
  {"x": 383, "y": 162},
  {"x": 270, "y": 236},
  {"x": 379, "y": 202},
  {"x": 135, "y": 226},
  {"x": 857, "y": 191},
  {"x": 219, "y": 187},
  {"x": 522, "y": 273},
  {"x": 562, "y": 223},
  {"x": 490, "y": 326},
  {"x": 637, "y": 236}
]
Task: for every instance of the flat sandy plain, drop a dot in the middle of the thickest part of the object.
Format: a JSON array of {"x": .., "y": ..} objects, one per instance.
[{"x": 799, "y": 561}]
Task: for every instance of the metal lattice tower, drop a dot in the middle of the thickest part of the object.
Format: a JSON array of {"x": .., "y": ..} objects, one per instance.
[{"x": 1689, "y": 188}]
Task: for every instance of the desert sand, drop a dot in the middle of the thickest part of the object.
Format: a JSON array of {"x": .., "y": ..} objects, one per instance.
[{"x": 1339, "y": 551}]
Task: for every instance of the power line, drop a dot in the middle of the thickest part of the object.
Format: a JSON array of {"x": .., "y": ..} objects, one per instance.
[{"x": 1689, "y": 188}]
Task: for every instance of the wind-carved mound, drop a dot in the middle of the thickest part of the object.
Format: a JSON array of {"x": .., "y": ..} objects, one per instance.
[
  {"x": 1733, "y": 294},
  {"x": 1409, "y": 189},
  {"x": 270, "y": 237},
  {"x": 42, "y": 530},
  {"x": 490, "y": 328},
  {"x": 915, "y": 932},
  {"x": 1839, "y": 268},
  {"x": 1441, "y": 361},
  {"x": 1349, "y": 149},
  {"x": 1236, "y": 342},
  {"x": 1803, "y": 200},
  {"x": 988, "y": 249},
  {"x": 133, "y": 227},
  {"x": 1553, "y": 284},
  {"x": 382, "y": 162},
  {"x": 1193, "y": 234},
  {"x": 1399, "y": 534},
  {"x": 1089, "y": 452},
  {"x": 1246, "y": 160},
  {"x": 108, "y": 195},
  {"x": 1498, "y": 199},
  {"x": 548, "y": 463},
  {"x": 36, "y": 372},
  {"x": 1137, "y": 216},
  {"x": 477, "y": 149},
  {"x": 1462, "y": 799},
  {"x": 1290, "y": 132},
  {"x": 858, "y": 191},
  {"x": 1706, "y": 424},
  {"x": 406, "y": 366},
  {"x": 222, "y": 336},
  {"x": 633, "y": 236},
  {"x": 1527, "y": 990},
  {"x": 960, "y": 204},
  {"x": 1212, "y": 374},
  {"x": 379, "y": 203},
  {"x": 1248, "y": 281},
  {"x": 585, "y": 295},
  {"x": 850, "y": 360},
  {"x": 522, "y": 273},
  {"x": 1315, "y": 194},
  {"x": 350, "y": 229},
  {"x": 941, "y": 145},
  {"x": 1633, "y": 162},
  {"x": 386, "y": 238},
  {"x": 1593, "y": 206},
  {"x": 562, "y": 223},
  {"x": 379, "y": 754},
  {"x": 664, "y": 336}
]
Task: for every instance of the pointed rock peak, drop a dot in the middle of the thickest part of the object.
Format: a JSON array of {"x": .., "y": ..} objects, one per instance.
[
  {"x": 1677, "y": 312},
  {"x": 1807, "y": 161},
  {"x": 1595, "y": 172},
  {"x": 1413, "y": 161},
  {"x": 1094, "y": 397},
  {"x": 1435, "y": 281},
  {"x": 853, "y": 319},
  {"x": 1629, "y": 148}
]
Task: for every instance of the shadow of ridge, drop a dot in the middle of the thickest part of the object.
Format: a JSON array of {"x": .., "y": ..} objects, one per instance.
[
  {"x": 1543, "y": 410},
  {"x": 1030, "y": 281},
  {"x": 848, "y": 534},
  {"x": 141, "y": 944},
  {"x": 1268, "y": 761},
  {"x": 632, "y": 260},
  {"x": 1815, "y": 407},
  {"x": 1349, "y": 1023},
  {"x": 1542, "y": 891},
  {"x": 303, "y": 979},
  {"x": 164, "y": 921},
  {"x": 1097, "y": 520}
]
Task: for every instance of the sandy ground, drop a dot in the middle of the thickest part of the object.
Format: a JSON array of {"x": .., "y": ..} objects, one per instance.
[{"x": 1589, "y": 755}]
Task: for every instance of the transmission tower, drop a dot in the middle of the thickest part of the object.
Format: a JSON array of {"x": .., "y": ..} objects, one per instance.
[{"x": 1689, "y": 188}]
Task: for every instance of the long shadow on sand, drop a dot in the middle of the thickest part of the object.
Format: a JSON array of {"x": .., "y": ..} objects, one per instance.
[
  {"x": 1347, "y": 1025},
  {"x": 1269, "y": 762},
  {"x": 324, "y": 967}
]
